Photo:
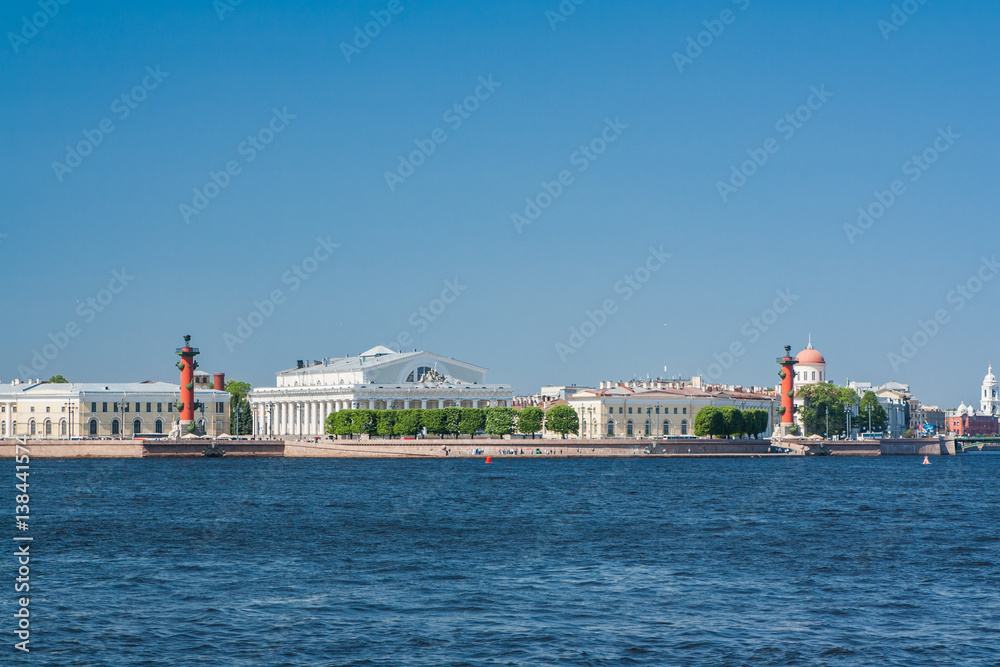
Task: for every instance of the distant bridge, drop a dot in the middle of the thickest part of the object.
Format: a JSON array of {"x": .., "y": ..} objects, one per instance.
[{"x": 980, "y": 442}]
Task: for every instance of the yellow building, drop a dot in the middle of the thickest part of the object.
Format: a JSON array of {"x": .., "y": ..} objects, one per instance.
[{"x": 124, "y": 410}]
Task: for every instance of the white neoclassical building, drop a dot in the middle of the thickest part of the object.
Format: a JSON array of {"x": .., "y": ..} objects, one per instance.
[{"x": 378, "y": 379}]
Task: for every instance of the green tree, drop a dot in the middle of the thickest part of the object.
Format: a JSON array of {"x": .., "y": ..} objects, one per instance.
[
  {"x": 58, "y": 379},
  {"x": 709, "y": 421},
  {"x": 408, "y": 422},
  {"x": 340, "y": 422},
  {"x": 562, "y": 419},
  {"x": 385, "y": 421},
  {"x": 239, "y": 407},
  {"x": 363, "y": 421},
  {"x": 908, "y": 433},
  {"x": 452, "y": 420},
  {"x": 759, "y": 420},
  {"x": 435, "y": 421},
  {"x": 879, "y": 417},
  {"x": 732, "y": 420},
  {"x": 473, "y": 420},
  {"x": 530, "y": 419},
  {"x": 500, "y": 421},
  {"x": 826, "y": 399}
]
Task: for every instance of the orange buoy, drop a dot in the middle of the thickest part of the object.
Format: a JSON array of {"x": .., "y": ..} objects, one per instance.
[
  {"x": 488, "y": 459},
  {"x": 927, "y": 461}
]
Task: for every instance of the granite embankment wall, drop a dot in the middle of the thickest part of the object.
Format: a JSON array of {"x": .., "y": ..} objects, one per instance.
[
  {"x": 139, "y": 449},
  {"x": 464, "y": 447}
]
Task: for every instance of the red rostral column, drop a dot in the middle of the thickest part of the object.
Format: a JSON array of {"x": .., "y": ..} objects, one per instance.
[
  {"x": 187, "y": 364},
  {"x": 787, "y": 375}
]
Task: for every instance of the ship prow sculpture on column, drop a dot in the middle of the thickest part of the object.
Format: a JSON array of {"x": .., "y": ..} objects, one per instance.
[{"x": 185, "y": 424}]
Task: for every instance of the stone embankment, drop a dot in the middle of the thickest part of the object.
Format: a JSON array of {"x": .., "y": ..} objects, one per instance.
[{"x": 475, "y": 447}]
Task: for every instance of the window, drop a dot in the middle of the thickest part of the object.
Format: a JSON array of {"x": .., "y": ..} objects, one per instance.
[
  {"x": 126, "y": 404},
  {"x": 115, "y": 427},
  {"x": 675, "y": 411},
  {"x": 138, "y": 408},
  {"x": 630, "y": 410},
  {"x": 31, "y": 427},
  {"x": 611, "y": 427},
  {"x": 159, "y": 407},
  {"x": 219, "y": 408},
  {"x": 630, "y": 428},
  {"x": 93, "y": 407},
  {"x": 666, "y": 427},
  {"x": 649, "y": 427},
  {"x": 93, "y": 427},
  {"x": 48, "y": 408},
  {"x": 62, "y": 427},
  {"x": 137, "y": 427},
  {"x": 149, "y": 407},
  {"x": 685, "y": 411},
  {"x": 657, "y": 409},
  {"x": 105, "y": 408},
  {"x": 684, "y": 427},
  {"x": 170, "y": 407},
  {"x": 32, "y": 408},
  {"x": 116, "y": 407},
  {"x": 159, "y": 426},
  {"x": 48, "y": 427},
  {"x": 3, "y": 428}
]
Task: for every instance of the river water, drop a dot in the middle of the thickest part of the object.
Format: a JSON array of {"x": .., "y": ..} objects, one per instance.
[{"x": 776, "y": 561}]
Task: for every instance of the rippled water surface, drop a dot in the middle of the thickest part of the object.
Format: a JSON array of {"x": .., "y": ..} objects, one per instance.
[{"x": 791, "y": 561}]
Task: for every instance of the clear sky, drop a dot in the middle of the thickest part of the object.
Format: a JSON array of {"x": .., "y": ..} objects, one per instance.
[{"x": 214, "y": 154}]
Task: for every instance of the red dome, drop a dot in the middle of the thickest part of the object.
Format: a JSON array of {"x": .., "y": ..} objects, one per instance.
[{"x": 810, "y": 355}]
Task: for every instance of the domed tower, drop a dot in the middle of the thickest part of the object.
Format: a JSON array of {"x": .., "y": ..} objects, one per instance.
[
  {"x": 811, "y": 367},
  {"x": 989, "y": 401}
]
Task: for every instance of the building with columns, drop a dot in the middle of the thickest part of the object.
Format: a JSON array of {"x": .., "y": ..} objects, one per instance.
[{"x": 378, "y": 379}]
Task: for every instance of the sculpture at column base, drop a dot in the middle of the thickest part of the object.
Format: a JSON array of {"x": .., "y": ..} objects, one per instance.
[{"x": 186, "y": 428}]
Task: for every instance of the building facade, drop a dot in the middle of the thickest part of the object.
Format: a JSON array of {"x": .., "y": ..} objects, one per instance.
[
  {"x": 41, "y": 410},
  {"x": 623, "y": 411},
  {"x": 378, "y": 379}
]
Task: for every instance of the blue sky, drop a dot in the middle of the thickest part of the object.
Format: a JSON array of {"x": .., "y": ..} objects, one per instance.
[{"x": 329, "y": 126}]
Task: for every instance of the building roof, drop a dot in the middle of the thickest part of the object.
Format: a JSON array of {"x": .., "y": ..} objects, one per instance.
[
  {"x": 810, "y": 355},
  {"x": 66, "y": 390},
  {"x": 372, "y": 358}
]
